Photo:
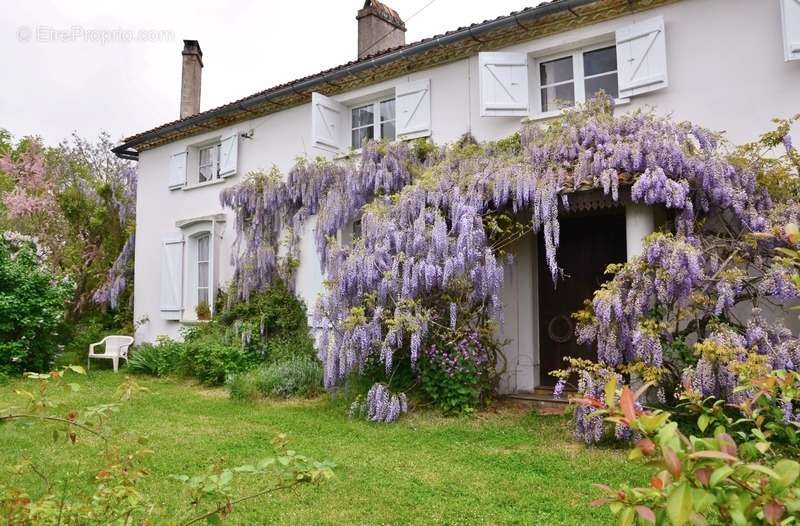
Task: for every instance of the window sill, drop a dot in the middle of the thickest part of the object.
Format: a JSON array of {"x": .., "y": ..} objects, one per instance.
[
  {"x": 349, "y": 154},
  {"x": 555, "y": 113},
  {"x": 202, "y": 185}
]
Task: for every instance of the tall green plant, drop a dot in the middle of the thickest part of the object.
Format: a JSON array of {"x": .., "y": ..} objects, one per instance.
[{"x": 31, "y": 307}]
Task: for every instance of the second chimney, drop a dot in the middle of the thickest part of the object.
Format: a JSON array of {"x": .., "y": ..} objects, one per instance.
[
  {"x": 191, "y": 78},
  {"x": 379, "y": 28}
]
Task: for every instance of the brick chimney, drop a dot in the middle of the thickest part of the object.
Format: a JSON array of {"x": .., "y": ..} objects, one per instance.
[
  {"x": 379, "y": 28},
  {"x": 191, "y": 77}
]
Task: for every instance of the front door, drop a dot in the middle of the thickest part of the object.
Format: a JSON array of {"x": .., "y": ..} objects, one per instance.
[{"x": 588, "y": 243}]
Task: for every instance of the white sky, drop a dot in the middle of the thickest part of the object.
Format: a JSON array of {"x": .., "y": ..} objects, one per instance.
[{"x": 53, "y": 84}]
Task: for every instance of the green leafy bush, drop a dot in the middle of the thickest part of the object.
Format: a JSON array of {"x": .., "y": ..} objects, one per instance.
[
  {"x": 272, "y": 325},
  {"x": 296, "y": 376},
  {"x": 706, "y": 478},
  {"x": 31, "y": 308},
  {"x": 457, "y": 376},
  {"x": 207, "y": 356},
  {"x": 160, "y": 359},
  {"x": 270, "y": 328}
]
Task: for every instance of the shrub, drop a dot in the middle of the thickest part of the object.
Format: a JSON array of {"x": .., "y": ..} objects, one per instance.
[
  {"x": 706, "y": 478},
  {"x": 296, "y": 376},
  {"x": 272, "y": 325},
  {"x": 31, "y": 308},
  {"x": 159, "y": 360},
  {"x": 457, "y": 376},
  {"x": 211, "y": 360}
]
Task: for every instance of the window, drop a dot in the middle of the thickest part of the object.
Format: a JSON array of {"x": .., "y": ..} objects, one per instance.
[
  {"x": 203, "y": 268},
  {"x": 209, "y": 164},
  {"x": 577, "y": 76},
  {"x": 375, "y": 120}
]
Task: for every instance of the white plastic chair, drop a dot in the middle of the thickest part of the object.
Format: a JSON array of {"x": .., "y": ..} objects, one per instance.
[{"x": 116, "y": 348}]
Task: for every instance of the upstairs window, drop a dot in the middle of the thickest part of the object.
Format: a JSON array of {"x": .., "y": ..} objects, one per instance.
[
  {"x": 600, "y": 72},
  {"x": 557, "y": 79},
  {"x": 209, "y": 164},
  {"x": 372, "y": 121},
  {"x": 577, "y": 76}
]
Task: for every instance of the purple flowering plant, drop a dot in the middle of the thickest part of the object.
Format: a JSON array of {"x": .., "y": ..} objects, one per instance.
[
  {"x": 438, "y": 226},
  {"x": 458, "y": 375}
]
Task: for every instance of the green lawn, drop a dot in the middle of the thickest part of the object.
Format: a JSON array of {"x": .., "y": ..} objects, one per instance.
[{"x": 506, "y": 466}]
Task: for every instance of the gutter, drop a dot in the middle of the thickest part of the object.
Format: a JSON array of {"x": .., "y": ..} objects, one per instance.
[{"x": 126, "y": 150}]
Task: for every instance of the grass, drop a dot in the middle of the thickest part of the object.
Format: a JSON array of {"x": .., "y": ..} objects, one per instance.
[{"x": 506, "y": 466}]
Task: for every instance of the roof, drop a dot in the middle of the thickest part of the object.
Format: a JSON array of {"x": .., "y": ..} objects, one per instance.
[{"x": 518, "y": 26}]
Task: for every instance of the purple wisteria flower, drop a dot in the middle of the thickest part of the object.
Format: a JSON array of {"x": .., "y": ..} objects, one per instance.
[{"x": 424, "y": 236}]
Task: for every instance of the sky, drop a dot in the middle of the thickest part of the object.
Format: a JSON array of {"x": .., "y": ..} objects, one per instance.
[{"x": 93, "y": 65}]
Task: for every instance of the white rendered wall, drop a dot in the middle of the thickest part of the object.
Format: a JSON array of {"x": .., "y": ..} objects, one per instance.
[
  {"x": 726, "y": 72},
  {"x": 639, "y": 223}
]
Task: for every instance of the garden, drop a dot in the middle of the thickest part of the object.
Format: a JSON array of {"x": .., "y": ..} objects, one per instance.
[{"x": 688, "y": 415}]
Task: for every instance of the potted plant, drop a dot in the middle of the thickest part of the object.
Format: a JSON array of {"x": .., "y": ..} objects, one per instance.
[{"x": 203, "y": 311}]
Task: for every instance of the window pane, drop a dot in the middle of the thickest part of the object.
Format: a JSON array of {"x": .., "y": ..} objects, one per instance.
[
  {"x": 206, "y": 173},
  {"x": 387, "y": 110},
  {"x": 556, "y": 70},
  {"x": 205, "y": 156},
  {"x": 362, "y": 134},
  {"x": 202, "y": 295},
  {"x": 202, "y": 248},
  {"x": 363, "y": 116},
  {"x": 557, "y": 97},
  {"x": 387, "y": 130},
  {"x": 600, "y": 61},
  {"x": 202, "y": 275},
  {"x": 607, "y": 83}
]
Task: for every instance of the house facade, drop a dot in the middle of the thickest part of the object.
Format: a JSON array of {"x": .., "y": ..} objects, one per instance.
[{"x": 729, "y": 65}]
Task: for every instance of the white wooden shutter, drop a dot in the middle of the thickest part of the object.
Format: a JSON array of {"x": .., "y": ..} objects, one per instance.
[
  {"x": 790, "y": 22},
  {"x": 413, "y": 109},
  {"x": 177, "y": 170},
  {"x": 328, "y": 123},
  {"x": 642, "y": 57},
  {"x": 228, "y": 155},
  {"x": 503, "y": 84},
  {"x": 172, "y": 276}
]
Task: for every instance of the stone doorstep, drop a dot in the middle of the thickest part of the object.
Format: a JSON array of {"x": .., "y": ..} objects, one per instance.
[{"x": 542, "y": 399}]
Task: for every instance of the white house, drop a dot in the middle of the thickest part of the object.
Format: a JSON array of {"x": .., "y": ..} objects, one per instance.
[{"x": 728, "y": 65}]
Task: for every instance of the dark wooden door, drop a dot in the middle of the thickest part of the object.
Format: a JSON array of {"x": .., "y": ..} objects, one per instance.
[{"x": 587, "y": 245}]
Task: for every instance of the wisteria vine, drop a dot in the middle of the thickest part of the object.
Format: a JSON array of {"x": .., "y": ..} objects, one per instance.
[{"x": 428, "y": 256}]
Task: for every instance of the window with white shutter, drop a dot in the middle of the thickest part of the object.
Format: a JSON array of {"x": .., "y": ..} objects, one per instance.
[
  {"x": 328, "y": 123},
  {"x": 503, "y": 84},
  {"x": 172, "y": 276},
  {"x": 413, "y": 109},
  {"x": 177, "y": 170},
  {"x": 642, "y": 57},
  {"x": 228, "y": 155},
  {"x": 372, "y": 121},
  {"x": 574, "y": 77},
  {"x": 790, "y": 23}
]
